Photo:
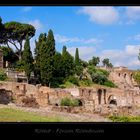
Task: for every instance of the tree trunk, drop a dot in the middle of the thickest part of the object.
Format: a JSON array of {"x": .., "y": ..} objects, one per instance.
[
  {"x": 19, "y": 55},
  {"x": 20, "y": 51}
]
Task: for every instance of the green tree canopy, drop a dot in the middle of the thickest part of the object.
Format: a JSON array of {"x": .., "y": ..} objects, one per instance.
[
  {"x": 136, "y": 76},
  {"x": 8, "y": 54},
  {"x": 77, "y": 59},
  {"x": 68, "y": 62},
  {"x": 37, "y": 52},
  {"x": 15, "y": 33},
  {"x": 27, "y": 59},
  {"x": 47, "y": 52},
  {"x": 105, "y": 62},
  {"x": 94, "y": 61}
]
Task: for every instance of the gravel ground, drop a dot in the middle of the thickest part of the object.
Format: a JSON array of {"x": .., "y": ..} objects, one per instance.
[{"x": 84, "y": 117}]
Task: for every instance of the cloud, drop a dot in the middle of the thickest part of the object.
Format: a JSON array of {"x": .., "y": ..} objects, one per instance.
[
  {"x": 124, "y": 57},
  {"x": 132, "y": 50},
  {"x": 85, "y": 52},
  {"x": 26, "y": 9},
  {"x": 101, "y": 15},
  {"x": 133, "y": 12},
  {"x": 64, "y": 39},
  {"x": 37, "y": 24}
]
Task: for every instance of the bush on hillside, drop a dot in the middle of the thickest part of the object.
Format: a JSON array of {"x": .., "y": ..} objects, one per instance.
[
  {"x": 73, "y": 80},
  {"x": 109, "y": 84},
  {"x": 3, "y": 75},
  {"x": 69, "y": 102}
]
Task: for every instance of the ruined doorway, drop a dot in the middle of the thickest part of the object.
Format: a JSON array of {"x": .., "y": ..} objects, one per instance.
[
  {"x": 125, "y": 76},
  {"x": 99, "y": 96},
  {"x": 113, "y": 102},
  {"x": 104, "y": 96}
]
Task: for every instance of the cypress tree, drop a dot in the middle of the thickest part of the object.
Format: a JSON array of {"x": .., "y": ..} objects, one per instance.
[
  {"x": 77, "y": 60},
  {"x": 51, "y": 43},
  {"x": 37, "y": 51},
  {"x": 68, "y": 63},
  {"x": 27, "y": 59},
  {"x": 64, "y": 50},
  {"x": 47, "y": 52}
]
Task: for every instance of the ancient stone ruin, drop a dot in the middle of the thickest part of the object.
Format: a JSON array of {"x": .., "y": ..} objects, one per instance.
[{"x": 98, "y": 99}]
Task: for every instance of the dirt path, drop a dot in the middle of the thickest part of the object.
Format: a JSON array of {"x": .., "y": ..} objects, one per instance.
[{"x": 84, "y": 117}]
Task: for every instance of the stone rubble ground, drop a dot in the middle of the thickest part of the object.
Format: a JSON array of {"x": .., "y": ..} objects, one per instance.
[{"x": 69, "y": 117}]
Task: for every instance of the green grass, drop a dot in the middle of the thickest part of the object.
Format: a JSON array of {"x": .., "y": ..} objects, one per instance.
[
  {"x": 125, "y": 118},
  {"x": 13, "y": 115},
  {"x": 67, "y": 85}
]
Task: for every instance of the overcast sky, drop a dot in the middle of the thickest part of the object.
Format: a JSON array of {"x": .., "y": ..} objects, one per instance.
[{"x": 107, "y": 32}]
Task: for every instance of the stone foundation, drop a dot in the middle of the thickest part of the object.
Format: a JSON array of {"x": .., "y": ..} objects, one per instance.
[{"x": 100, "y": 99}]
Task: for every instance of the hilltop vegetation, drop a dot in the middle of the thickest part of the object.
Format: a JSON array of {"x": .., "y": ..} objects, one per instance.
[{"x": 51, "y": 68}]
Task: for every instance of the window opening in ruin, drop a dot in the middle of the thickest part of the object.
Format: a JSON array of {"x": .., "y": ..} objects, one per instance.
[
  {"x": 80, "y": 103},
  {"x": 105, "y": 96},
  {"x": 113, "y": 102},
  {"x": 89, "y": 92},
  {"x": 125, "y": 75},
  {"x": 131, "y": 76},
  {"x": 99, "y": 96},
  {"x": 119, "y": 74}
]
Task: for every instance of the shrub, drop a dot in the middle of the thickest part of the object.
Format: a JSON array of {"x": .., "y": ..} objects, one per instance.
[
  {"x": 75, "y": 102},
  {"x": 73, "y": 80},
  {"x": 3, "y": 75},
  {"x": 65, "y": 102},
  {"x": 19, "y": 65},
  {"x": 109, "y": 84},
  {"x": 103, "y": 72},
  {"x": 69, "y": 102},
  {"x": 91, "y": 69},
  {"x": 99, "y": 78},
  {"x": 85, "y": 82}
]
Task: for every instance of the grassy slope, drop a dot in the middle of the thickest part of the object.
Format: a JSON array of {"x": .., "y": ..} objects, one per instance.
[
  {"x": 13, "y": 115},
  {"x": 125, "y": 119}
]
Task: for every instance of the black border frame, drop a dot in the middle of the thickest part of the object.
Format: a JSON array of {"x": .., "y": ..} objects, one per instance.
[{"x": 40, "y": 129}]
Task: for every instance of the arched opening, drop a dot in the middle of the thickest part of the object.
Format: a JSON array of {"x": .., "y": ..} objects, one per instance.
[
  {"x": 119, "y": 74},
  {"x": 125, "y": 75},
  {"x": 89, "y": 92},
  {"x": 113, "y": 102},
  {"x": 99, "y": 96},
  {"x": 80, "y": 103},
  {"x": 131, "y": 76},
  {"x": 104, "y": 96}
]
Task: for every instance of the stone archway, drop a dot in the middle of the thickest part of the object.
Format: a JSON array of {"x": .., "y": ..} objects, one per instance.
[
  {"x": 131, "y": 76},
  {"x": 125, "y": 76},
  {"x": 99, "y": 94},
  {"x": 119, "y": 74},
  {"x": 104, "y": 96},
  {"x": 112, "y": 100}
]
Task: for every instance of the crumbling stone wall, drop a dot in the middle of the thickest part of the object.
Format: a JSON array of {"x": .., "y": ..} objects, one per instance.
[
  {"x": 33, "y": 96},
  {"x": 100, "y": 99},
  {"x": 5, "y": 96},
  {"x": 47, "y": 96}
]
